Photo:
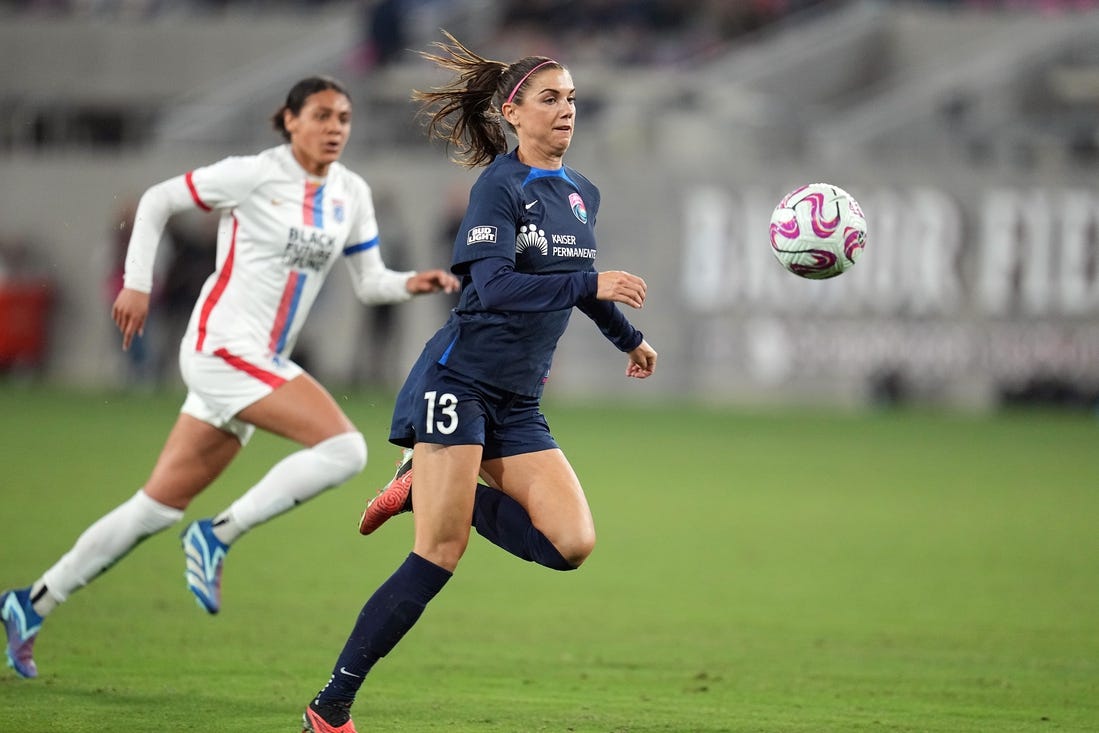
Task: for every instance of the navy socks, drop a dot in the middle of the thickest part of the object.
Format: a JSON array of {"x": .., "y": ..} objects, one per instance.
[
  {"x": 383, "y": 621},
  {"x": 398, "y": 603},
  {"x": 505, "y": 523}
]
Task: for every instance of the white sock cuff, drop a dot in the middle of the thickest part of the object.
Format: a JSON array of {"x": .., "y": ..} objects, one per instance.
[
  {"x": 152, "y": 514},
  {"x": 298, "y": 478},
  {"x": 347, "y": 450}
]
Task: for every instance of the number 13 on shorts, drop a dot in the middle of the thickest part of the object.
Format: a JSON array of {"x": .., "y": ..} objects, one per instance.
[{"x": 442, "y": 412}]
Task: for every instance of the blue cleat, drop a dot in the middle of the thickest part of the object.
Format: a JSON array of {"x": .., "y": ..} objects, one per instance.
[
  {"x": 22, "y": 623},
  {"x": 205, "y": 555}
]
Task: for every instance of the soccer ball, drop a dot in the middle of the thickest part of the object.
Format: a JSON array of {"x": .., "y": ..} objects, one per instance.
[{"x": 818, "y": 231}]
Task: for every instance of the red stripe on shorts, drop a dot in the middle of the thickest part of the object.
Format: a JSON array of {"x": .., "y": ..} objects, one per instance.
[{"x": 274, "y": 380}]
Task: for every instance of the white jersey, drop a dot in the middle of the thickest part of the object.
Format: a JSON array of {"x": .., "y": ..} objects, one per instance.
[{"x": 281, "y": 230}]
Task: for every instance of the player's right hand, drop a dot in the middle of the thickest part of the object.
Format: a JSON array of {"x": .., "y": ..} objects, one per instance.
[
  {"x": 129, "y": 311},
  {"x": 621, "y": 287}
]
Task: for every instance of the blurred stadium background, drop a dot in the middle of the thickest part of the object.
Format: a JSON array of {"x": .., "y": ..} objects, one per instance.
[
  {"x": 795, "y": 570},
  {"x": 967, "y": 130}
]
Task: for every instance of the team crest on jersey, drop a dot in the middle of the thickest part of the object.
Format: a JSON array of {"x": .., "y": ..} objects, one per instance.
[
  {"x": 531, "y": 236},
  {"x": 338, "y": 210},
  {"x": 578, "y": 210}
]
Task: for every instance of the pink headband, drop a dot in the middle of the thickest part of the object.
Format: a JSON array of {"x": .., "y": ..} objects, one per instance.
[{"x": 536, "y": 68}]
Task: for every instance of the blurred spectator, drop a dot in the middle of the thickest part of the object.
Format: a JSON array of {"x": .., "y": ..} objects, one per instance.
[
  {"x": 386, "y": 31},
  {"x": 392, "y": 27},
  {"x": 650, "y": 32},
  {"x": 647, "y": 32}
]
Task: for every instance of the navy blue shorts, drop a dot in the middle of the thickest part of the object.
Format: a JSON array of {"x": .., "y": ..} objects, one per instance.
[{"x": 438, "y": 405}]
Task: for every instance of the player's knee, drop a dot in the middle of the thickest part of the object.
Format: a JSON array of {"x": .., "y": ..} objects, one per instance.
[
  {"x": 346, "y": 452},
  {"x": 578, "y": 548}
]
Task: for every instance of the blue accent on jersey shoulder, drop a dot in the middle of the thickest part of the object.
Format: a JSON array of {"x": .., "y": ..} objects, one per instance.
[
  {"x": 536, "y": 173},
  {"x": 361, "y": 246},
  {"x": 446, "y": 354}
]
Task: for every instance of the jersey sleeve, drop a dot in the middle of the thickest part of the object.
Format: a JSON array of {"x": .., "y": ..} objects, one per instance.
[
  {"x": 228, "y": 182},
  {"x": 489, "y": 225},
  {"x": 157, "y": 204},
  {"x": 222, "y": 184},
  {"x": 374, "y": 282},
  {"x": 500, "y": 287},
  {"x": 612, "y": 323}
]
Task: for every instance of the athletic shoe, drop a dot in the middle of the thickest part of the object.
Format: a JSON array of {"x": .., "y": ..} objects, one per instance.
[
  {"x": 312, "y": 722},
  {"x": 394, "y": 499},
  {"x": 205, "y": 555},
  {"x": 21, "y": 622}
]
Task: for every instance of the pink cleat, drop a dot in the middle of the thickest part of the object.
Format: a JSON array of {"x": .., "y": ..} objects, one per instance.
[
  {"x": 394, "y": 499},
  {"x": 312, "y": 722}
]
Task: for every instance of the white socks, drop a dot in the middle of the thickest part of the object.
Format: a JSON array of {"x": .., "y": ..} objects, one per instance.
[
  {"x": 295, "y": 479},
  {"x": 102, "y": 545}
]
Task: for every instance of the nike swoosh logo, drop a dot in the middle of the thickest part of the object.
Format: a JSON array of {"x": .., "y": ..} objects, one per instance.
[
  {"x": 532, "y": 203},
  {"x": 343, "y": 670}
]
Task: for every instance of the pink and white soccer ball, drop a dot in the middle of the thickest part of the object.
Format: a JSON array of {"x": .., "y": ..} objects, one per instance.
[{"x": 818, "y": 231}]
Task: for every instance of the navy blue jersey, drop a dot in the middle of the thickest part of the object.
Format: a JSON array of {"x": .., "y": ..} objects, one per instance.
[{"x": 539, "y": 224}]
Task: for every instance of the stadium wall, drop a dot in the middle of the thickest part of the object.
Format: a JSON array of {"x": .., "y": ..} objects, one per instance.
[
  {"x": 979, "y": 279},
  {"x": 971, "y": 284}
]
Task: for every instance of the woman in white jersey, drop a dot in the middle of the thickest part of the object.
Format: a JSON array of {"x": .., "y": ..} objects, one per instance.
[{"x": 287, "y": 215}]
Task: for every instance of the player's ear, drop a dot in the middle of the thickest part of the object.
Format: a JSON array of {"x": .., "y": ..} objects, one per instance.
[
  {"x": 290, "y": 121},
  {"x": 510, "y": 112}
]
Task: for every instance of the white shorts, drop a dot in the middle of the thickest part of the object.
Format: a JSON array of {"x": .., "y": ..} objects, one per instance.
[{"x": 221, "y": 384}]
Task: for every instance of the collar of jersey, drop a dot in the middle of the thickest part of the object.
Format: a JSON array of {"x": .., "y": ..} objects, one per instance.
[{"x": 536, "y": 173}]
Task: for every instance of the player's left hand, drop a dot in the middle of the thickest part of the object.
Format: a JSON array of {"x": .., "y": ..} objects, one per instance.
[
  {"x": 642, "y": 361},
  {"x": 432, "y": 281}
]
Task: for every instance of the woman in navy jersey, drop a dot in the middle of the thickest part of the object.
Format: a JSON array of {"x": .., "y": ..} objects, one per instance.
[
  {"x": 287, "y": 215},
  {"x": 470, "y": 406}
]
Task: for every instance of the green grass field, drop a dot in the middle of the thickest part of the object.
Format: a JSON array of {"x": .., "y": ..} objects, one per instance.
[{"x": 772, "y": 572}]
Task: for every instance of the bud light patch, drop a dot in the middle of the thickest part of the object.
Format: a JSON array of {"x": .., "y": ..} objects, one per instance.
[{"x": 481, "y": 235}]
